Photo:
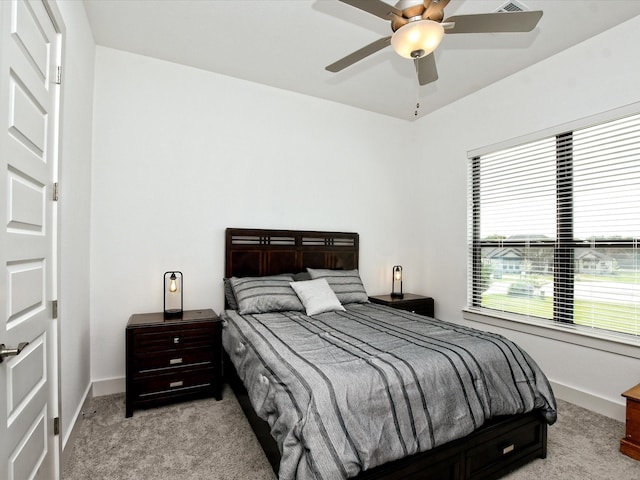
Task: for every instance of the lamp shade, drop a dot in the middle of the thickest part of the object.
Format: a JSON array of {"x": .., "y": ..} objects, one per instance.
[
  {"x": 172, "y": 291},
  {"x": 396, "y": 282},
  {"x": 417, "y": 39}
]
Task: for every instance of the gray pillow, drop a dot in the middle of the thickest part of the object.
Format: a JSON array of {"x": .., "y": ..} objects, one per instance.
[
  {"x": 265, "y": 294},
  {"x": 345, "y": 283}
]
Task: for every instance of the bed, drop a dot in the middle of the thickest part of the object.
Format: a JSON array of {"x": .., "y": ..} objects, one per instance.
[{"x": 399, "y": 414}]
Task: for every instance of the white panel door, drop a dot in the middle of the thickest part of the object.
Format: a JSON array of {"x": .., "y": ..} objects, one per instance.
[{"x": 29, "y": 99}]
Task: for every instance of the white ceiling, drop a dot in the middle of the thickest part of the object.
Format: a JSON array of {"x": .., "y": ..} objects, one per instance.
[{"x": 287, "y": 43}]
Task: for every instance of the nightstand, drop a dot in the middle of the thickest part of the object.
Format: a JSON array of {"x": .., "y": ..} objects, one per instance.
[
  {"x": 170, "y": 360},
  {"x": 410, "y": 302},
  {"x": 630, "y": 444}
]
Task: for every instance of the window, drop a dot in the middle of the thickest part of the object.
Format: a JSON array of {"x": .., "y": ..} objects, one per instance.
[{"x": 554, "y": 228}]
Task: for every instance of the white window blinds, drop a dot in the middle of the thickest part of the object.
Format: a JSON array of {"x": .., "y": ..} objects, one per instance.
[{"x": 554, "y": 228}]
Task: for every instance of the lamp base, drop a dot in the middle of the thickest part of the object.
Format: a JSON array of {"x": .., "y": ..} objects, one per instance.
[
  {"x": 174, "y": 313},
  {"x": 396, "y": 295}
]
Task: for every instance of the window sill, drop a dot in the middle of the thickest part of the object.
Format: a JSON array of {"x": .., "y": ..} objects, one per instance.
[{"x": 576, "y": 334}]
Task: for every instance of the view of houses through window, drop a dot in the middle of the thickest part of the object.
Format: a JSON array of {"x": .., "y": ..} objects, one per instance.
[
  {"x": 606, "y": 281},
  {"x": 555, "y": 228}
]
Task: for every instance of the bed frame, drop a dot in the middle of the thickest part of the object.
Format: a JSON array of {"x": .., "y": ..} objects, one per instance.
[{"x": 498, "y": 447}]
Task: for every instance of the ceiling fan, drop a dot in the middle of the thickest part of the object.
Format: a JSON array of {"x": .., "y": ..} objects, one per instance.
[{"x": 418, "y": 28}]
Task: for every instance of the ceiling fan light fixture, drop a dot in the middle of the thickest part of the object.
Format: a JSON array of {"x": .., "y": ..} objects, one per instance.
[{"x": 417, "y": 39}]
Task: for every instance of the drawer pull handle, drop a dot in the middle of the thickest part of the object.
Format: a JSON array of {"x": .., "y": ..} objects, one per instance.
[
  {"x": 176, "y": 384},
  {"x": 176, "y": 339},
  {"x": 175, "y": 361},
  {"x": 508, "y": 449}
]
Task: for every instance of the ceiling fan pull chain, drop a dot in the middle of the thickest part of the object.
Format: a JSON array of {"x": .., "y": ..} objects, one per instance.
[{"x": 417, "y": 99}]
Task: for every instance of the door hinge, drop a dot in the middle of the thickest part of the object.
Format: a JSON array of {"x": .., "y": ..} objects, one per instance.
[
  {"x": 56, "y": 192},
  {"x": 54, "y": 308},
  {"x": 58, "y": 75},
  {"x": 56, "y": 426}
]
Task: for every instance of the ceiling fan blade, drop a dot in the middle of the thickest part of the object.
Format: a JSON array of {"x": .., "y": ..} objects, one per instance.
[
  {"x": 494, "y": 22},
  {"x": 426, "y": 69},
  {"x": 359, "y": 54},
  {"x": 374, "y": 7}
]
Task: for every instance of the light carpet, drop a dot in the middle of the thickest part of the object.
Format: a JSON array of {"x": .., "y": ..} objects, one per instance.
[{"x": 209, "y": 439}]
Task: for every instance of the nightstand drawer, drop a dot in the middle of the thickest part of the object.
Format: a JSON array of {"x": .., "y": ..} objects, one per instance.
[
  {"x": 173, "y": 360},
  {"x": 421, "y": 308},
  {"x": 172, "y": 338},
  {"x": 174, "y": 383}
]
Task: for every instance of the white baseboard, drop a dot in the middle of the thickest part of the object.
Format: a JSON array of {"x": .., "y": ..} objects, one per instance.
[
  {"x": 109, "y": 386},
  {"x": 70, "y": 436},
  {"x": 600, "y": 405}
]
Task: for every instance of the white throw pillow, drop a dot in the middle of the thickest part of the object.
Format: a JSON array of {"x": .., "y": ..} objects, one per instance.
[{"x": 316, "y": 296}]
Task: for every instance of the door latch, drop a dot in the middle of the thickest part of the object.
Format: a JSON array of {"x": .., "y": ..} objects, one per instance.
[{"x": 10, "y": 352}]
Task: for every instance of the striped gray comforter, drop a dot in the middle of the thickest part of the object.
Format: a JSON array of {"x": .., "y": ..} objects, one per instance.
[{"x": 346, "y": 391}]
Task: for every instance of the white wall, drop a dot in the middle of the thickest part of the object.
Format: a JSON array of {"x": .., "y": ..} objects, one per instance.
[
  {"x": 233, "y": 153},
  {"x": 595, "y": 76},
  {"x": 74, "y": 210},
  {"x": 180, "y": 154}
]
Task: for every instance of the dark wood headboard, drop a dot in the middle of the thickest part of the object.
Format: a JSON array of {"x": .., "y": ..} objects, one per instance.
[{"x": 259, "y": 252}]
